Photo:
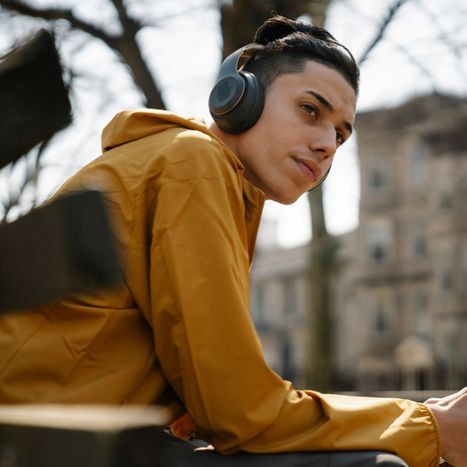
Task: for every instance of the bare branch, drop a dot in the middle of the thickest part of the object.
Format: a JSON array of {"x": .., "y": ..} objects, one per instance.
[
  {"x": 418, "y": 64},
  {"x": 124, "y": 45},
  {"x": 53, "y": 14},
  {"x": 31, "y": 176},
  {"x": 442, "y": 33},
  {"x": 383, "y": 28},
  {"x": 37, "y": 170},
  {"x": 129, "y": 23}
]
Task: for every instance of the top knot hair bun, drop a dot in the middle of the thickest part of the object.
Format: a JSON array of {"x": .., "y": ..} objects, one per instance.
[
  {"x": 278, "y": 27},
  {"x": 274, "y": 28}
]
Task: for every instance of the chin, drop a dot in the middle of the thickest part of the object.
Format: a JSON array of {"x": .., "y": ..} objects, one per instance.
[{"x": 284, "y": 198}]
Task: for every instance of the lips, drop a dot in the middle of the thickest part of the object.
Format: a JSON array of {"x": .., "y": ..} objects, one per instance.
[{"x": 309, "y": 168}]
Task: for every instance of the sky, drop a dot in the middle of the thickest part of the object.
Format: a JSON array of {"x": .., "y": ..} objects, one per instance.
[{"x": 423, "y": 50}]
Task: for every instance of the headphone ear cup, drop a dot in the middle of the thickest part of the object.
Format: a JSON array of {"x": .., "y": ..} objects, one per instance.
[
  {"x": 251, "y": 107},
  {"x": 234, "y": 107},
  {"x": 225, "y": 95}
]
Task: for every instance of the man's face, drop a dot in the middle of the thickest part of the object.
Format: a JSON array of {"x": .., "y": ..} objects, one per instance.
[{"x": 306, "y": 117}]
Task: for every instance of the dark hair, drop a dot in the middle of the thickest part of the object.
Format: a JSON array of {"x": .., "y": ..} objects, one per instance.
[{"x": 289, "y": 44}]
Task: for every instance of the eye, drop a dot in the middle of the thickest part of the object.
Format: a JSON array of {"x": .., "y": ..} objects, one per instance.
[
  {"x": 310, "y": 109},
  {"x": 340, "y": 138}
]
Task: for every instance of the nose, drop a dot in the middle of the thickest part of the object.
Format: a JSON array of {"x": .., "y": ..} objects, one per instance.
[{"x": 323, "y": 142}]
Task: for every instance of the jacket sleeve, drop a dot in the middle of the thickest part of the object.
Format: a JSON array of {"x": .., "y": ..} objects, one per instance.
[{"x": 210, "y": 353}]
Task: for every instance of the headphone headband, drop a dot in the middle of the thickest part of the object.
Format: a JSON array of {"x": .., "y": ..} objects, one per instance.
[{"x": 237, "y": 60}]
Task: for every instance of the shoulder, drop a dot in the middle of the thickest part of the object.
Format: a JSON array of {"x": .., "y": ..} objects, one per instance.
[{"x": 195, "y": 154}]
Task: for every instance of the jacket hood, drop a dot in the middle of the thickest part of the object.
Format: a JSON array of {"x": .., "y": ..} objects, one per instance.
[{"x": 131, "y": 125}]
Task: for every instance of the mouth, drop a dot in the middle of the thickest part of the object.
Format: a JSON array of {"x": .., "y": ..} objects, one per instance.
[{"x": 309, "y": 168}]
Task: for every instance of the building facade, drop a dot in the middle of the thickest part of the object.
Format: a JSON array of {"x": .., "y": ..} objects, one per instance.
[
  {"x": 400, "y": 291},
  {"x": 279, "y": 306}
]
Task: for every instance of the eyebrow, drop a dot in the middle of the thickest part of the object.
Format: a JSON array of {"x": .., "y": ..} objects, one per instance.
[{"x": 330, "y": 107}]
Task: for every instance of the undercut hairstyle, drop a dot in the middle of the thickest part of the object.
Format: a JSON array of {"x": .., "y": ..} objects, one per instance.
[{"x": 289, "y": 44}]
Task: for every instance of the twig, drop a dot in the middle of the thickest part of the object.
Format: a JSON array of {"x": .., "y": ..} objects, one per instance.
[
  {"x": 398, "y": 4},
  {"x": 56, "y": 14}
]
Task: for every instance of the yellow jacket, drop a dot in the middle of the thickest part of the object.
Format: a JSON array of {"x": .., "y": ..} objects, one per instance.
[{"x": 186, "y": 221}]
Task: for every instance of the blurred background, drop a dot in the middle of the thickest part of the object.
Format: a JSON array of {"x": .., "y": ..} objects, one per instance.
[{"x": 361, "y": 286}]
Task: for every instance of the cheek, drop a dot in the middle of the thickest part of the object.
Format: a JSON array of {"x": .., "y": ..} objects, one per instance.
[
  {"x": 277, "y": 138},
  {"x": 277, "y": 119},
  {"x": 328, "y": 162},
  {"x": 286, "y": 128}
]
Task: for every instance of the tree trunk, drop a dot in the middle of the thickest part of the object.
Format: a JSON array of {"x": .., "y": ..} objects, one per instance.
[
  {"x": 318, "y": 10},
  {"x": 321, "y": 371},
  {"x": 241, "y": 18},
  {"x": 321, "y": 374},
  {"x": 322, "y": 367}
]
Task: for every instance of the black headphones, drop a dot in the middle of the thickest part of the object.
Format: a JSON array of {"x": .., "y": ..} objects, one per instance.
[{"x": 237, "y": 99}]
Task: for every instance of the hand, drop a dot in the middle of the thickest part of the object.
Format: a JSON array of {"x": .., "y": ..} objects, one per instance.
[{"x": 451, "y": 414}]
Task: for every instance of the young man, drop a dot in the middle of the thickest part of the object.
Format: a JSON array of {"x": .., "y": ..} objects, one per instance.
[{"x": 186, "y": 202}]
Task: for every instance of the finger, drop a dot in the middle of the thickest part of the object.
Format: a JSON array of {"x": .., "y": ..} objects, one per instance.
[
  {"x": 443, "y": 401},
  {"x": 432, "y": 400}
]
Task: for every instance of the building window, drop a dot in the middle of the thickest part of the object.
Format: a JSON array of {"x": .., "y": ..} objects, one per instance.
[
  {"x": 290, "y": 296},
  {"x": 444, "y": 192},
  {"x": 381, "y": 322},
  {"x": 381, "y": 305},
  {"x": 376, "y": 179},
  {"x": 421, "y": 323},
  {"x": 418, "y": 164},
  {"x": 446, "y": 280},
  {"x": 258, "y": 303},
  {"x": 444, "y": 201},
  {"x": 421, "y": 301},
  {"x": 419, "y": 242},
  {"x": 378, "y": 253},
  {"x": 419, "y": 245},
  {"x": 379, "y": 237},
  {"x": 287, "y": 371}
]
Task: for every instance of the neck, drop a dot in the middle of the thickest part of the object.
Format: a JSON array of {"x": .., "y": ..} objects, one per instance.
[{"x": 229, "y": 140}]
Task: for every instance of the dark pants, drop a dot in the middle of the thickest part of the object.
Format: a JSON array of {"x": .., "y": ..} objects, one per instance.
[{"x": 181, "y": 454}]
